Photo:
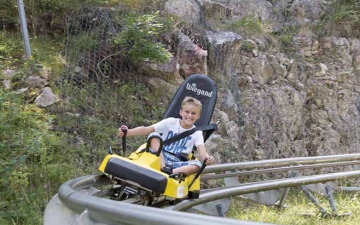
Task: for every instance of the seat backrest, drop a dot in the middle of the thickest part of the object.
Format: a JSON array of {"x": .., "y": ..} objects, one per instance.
[{"x": 198, "y": 86}]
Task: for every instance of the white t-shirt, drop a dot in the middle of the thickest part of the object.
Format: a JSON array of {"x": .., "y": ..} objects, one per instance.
[{"x": 170, "y": 127}]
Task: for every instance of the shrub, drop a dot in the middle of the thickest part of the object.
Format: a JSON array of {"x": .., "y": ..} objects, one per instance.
[
  {"x": 139, "y": 41},
  {"x": 29, "y": 152}
]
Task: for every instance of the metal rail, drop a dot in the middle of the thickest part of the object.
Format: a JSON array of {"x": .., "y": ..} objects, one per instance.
[
  {"x": 280, "y": 162},
  {"x": 279, "y": 169},
  {"x": 72, "y": 193},
  {"x": 115, "y": 212},
  {"x": 262, "y": 186}
]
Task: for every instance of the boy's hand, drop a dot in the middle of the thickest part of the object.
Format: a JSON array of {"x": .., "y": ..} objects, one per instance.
[
  {"x": 210, "y": 160},
  {"x": 120, "y": 131}
]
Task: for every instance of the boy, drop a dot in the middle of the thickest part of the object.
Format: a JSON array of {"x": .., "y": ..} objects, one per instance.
[{"x": 190, "y": 112}]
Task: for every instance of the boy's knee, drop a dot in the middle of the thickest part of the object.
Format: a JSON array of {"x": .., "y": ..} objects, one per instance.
[
  {"x": 155, "y": 141},
  {"x": 193, "y": 169},
  {"x": 153, "y": 134}
]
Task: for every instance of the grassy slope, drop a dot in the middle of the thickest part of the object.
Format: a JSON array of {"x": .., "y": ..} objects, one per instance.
[{"x": 299, "y": 210}]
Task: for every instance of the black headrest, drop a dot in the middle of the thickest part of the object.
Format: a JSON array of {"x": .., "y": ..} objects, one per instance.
[{"x": 198, "y": 86}]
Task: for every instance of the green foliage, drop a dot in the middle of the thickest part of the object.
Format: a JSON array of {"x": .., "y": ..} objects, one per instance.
[
  {"x": 139, "y": 39},
  {"x": 299, "y": 210},
  {"x": 274, "y": 1},
  {"x": 31, "y": 160},
  {"x": 86, "y": 41},
  {"x": 43, "y": 49},
  {"x": 21, "y": 131},
  {"x": 247, "y": 47},
  {"x": 246, "y": 25},
  {"x": 285, "y": 38},
  {"x": 11, "y": 49},
  {"x": 43, "y": 16},
  {"x": 345, "y": 10},
  {"x": 342, "y": 18},
  {"x": 48, "y": 16},
  {"x": 9, "y": 15},
  {"x": 46, "y": 51},
  {"x": 138, "y": 6},
  {"x": 104, "y": 107}
]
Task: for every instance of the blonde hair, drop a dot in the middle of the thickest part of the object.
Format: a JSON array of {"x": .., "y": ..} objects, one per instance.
[{"x": 191, "y": 101}]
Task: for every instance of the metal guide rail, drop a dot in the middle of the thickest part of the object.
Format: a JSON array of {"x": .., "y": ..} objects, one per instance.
[
  {"x": 74, "y": 201},
  {"x": 282, "y": 162},
  {"x": 263, "y": 186},
  {"x": 77, "y": 207}
]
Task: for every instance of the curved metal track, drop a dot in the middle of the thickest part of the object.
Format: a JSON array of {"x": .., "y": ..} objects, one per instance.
[
  {"x": 262, "y": 186},
  {"x": 281, "y": 162},
  {"x": 75, "y": 195},
  {"x": 116, "y": 212}
]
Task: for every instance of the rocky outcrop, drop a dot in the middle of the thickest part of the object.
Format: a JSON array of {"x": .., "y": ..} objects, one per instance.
[
  {"x": 274, "y": 103},
  {"x": 187, "y": 9},
  {"x": 298, "y": 107},
  {"x": 191, "y": 58}
]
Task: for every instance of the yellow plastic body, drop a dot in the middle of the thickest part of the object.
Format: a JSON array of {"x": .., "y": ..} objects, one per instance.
[{"x": 174, "y": 188}]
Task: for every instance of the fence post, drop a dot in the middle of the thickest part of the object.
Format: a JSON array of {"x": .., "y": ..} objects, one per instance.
[{"x": 24, "y": 30}]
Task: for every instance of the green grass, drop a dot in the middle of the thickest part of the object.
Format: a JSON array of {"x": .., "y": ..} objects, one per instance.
[
  {"x": 246, "y": 25},
  {"x": 33, "y": 163},
  {"x": 342, "y": 19},
  {"x": 11, "y": 49},
  {"x": 299, "y": 210},
  {"x": 46, "y": 50}
]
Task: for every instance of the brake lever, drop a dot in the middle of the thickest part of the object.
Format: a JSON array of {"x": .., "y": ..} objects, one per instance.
[{"x": 123, "y": 141}]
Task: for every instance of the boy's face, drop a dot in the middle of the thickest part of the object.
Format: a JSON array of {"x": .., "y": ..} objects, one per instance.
[{"x": 189, "y": 114}]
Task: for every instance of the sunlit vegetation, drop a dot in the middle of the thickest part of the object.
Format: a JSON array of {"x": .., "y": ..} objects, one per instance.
[
  {"x": 43, "y": 148},
  {"x": 299, "y": 210}
]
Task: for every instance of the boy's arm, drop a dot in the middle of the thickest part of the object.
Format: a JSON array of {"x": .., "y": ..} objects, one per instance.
[
  {"x": 137, "y": 131},
  {"x": 204, "y": 155}
]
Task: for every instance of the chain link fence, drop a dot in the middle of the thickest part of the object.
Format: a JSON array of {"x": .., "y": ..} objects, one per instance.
[
  {"x": 102, "y": 88},
  {"x": 105, "y": 82}
]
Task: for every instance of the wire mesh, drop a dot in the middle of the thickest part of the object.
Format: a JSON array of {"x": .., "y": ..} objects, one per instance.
[{"x": 101, "y": 89}]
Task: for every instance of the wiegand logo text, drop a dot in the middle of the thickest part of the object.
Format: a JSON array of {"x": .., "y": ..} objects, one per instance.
[{"x": 192, "y": 87}]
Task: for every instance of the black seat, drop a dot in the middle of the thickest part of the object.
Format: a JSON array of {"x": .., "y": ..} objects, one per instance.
[
  {"x": 138, "y": 174},
  {"x": 201, "y": 87},
  {"x": 198, "y": 86}
]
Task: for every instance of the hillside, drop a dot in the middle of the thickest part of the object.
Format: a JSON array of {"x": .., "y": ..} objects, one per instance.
[{"x": 287, "y": 73}]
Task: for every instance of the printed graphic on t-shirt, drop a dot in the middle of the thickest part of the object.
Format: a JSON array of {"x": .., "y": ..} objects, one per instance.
[{"x": 178, "y": 146}]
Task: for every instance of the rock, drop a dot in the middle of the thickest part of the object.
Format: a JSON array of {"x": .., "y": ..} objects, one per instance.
[
  {"x": 227, "y": 103},
  {"x": 21, "y": 90},
  {"x": 168, "y": 71},
  {"x": 189, "y": 10},
  {"x": 262, "y": 10},
  {"x": 159, "y": 84},
  {"x": 6, "y": 84},
  {"x": 224, "y": 49},
  {"x": 300, "y": 12},
  {"x": 191, "y": 58},
  {"x": 36, "y": 82},
  {"x": 46, "y": 98},
  {"x": 9, "y": 73}
]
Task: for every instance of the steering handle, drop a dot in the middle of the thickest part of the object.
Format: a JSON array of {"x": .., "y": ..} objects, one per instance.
[
  {"x": 148, "y": 143},
  {"x": 123, "y": 139},
  {"x": 198, "y": 172}
]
